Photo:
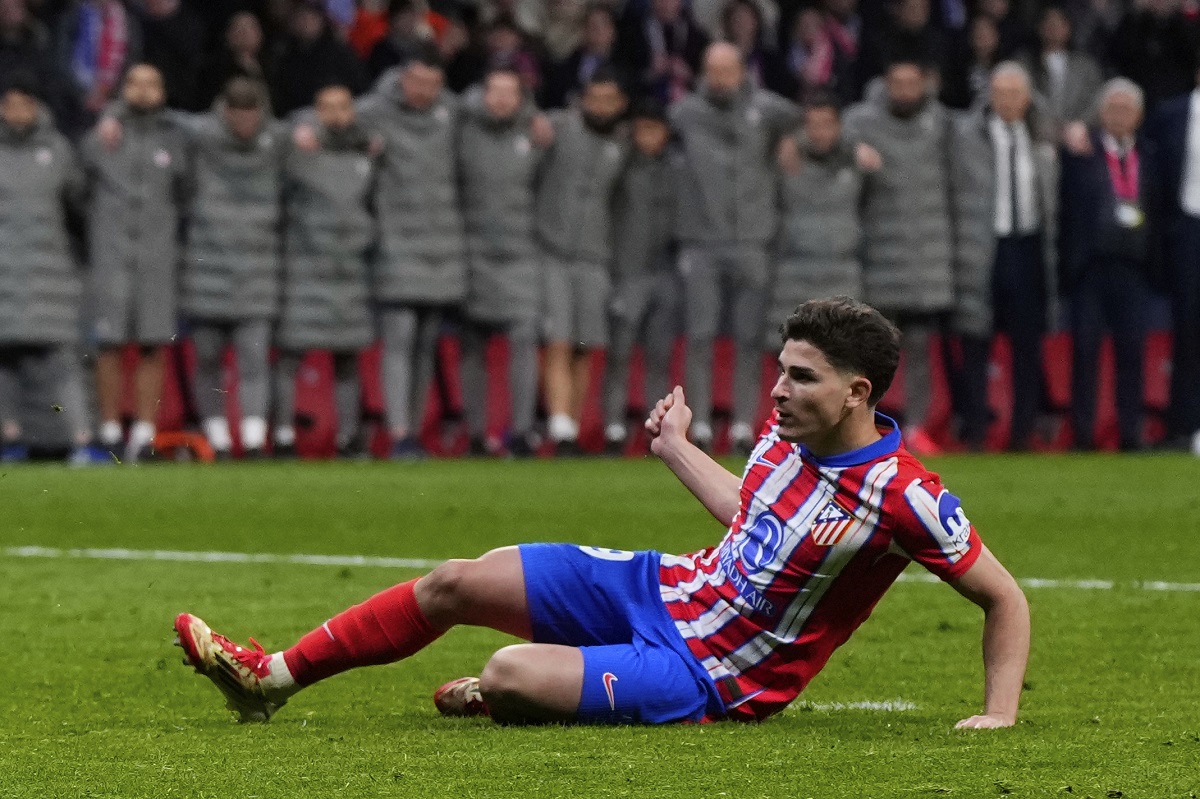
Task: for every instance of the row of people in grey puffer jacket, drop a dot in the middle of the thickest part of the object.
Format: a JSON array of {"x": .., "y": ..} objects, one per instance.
[{"x": 575, "y": 231}]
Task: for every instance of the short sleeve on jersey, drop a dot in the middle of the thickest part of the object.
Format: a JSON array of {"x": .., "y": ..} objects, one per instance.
[{"x": 935, "y": 531}]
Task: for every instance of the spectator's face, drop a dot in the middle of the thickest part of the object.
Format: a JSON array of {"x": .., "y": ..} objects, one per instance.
[
  {"x": 599, "y": 34},
  {"x": 905, "y": 84},
  {"x": 244, "y": 123},
  {"x": 667, "y": 10},
  {"x": 12, "y": 14},
  {"x": 455, "y": 39},
  {"x": 742, "y": 27},
  {"x": 913, "y": 14},
  {"x": 1160, "y": 8},
  {"x": 985, "y": 39},
  {"x": 279, "y": 12},
  {"x": 842, "y": 9},
  {"x": 502, "y": 95},
  {"x": 403, "y": 24},
  {"x": 1120, "y": 115},
  {"x": 1010, "y": 96},
  {"x": 822, "y": 129},
  {"x": 308, "y": 23},
  {"x": 996, "y": 9},
  {"x": 1055, "y": 30},
  {"x": 603, "y": 104},
  {"x": 503, "y": 40},
  {"x": 19, "y": 111},
  {"x": 245, "y": 35},
  {"x": 650, "y": 136},
  {"x": 161, "y": 8},
  {"x": 809, "y": 27},
  {"x": 723, "y": 71},
  {"x": 335, "y": 108},
  {"x": 421, "y": 85},
  {"x": 143, "y": 90}
]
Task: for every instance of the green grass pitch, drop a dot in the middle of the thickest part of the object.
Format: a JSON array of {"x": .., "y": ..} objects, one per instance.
[{"x": 95, "y": 703}]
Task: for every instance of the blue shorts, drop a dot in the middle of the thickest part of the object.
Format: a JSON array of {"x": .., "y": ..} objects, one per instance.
[{"x": 636, "y": 667}]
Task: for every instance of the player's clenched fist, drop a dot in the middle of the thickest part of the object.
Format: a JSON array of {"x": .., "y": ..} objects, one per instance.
[{"x": 669, "y": 420}]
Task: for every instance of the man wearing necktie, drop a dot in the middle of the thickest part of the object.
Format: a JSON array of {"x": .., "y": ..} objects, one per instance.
[
  {"x": 1005, "y": 249},
  {"x": 1110, "y": 258}
]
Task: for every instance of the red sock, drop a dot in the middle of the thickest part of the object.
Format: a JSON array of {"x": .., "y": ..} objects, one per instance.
[{"x": 387, "y": 627}]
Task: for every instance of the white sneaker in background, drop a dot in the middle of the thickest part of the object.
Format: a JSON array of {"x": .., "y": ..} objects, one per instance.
[
  {"x": 111, "y": 434},
  {"x": 562, "y": 428},
  {"x": 216, "y": 430},
  {"x": 254, "y": 433}
]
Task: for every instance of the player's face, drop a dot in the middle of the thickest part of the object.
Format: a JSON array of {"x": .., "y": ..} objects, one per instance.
[
  {"x": 335, "y": 108},
  {"x": 144, "y": 88},
  {"x": 244, "y": 122},
  {"x": 19, "y": 111},
  {"x": 603, "y": 101},
  {"x": 822, "y": 128},
  {"x": 502, "y": 95},
  {"x": 812, "y": 397},
  {"x": 650, "y": 137},
  {"x": 421, "y": 84}
]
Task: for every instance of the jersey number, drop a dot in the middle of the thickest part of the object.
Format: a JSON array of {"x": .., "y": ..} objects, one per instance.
[{"x": 607, "y": 554}]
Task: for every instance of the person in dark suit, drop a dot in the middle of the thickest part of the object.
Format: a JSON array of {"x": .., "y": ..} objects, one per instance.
[
  {"x": 565, "y": 79},
  {"x": 665, "y": 46},
  {"x": 1110, "y": 225},
  {"x": 1175, "y": 131}
]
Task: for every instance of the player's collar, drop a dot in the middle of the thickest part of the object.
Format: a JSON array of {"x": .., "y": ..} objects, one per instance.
[{"x": 856, "y": 457}]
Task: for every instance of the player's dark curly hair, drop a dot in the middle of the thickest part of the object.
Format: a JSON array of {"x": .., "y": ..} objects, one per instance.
[{"x": 853, "y": 336}]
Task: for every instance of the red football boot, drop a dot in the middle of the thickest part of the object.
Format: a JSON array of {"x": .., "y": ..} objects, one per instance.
[
  {"x": 236, "y": 670},
  {"x": 460, "y": 697}
]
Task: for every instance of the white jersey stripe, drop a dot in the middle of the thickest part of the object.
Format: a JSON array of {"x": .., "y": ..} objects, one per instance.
[
  {"x": 871, "y": 495},
  {"x": 713, "y": 620}
]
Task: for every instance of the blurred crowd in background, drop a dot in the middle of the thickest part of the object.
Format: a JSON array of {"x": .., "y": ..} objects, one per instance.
[{"x": 611, "y": 188}]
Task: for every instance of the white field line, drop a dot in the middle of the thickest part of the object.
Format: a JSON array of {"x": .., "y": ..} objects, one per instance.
[
  {"x": 425, "y": 563},
  {"x": 221, "y": 557},
  {"x": 1082, "y": 585}
]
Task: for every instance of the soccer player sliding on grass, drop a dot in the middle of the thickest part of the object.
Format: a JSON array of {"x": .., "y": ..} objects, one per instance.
[{"x": 829, "y": 511}]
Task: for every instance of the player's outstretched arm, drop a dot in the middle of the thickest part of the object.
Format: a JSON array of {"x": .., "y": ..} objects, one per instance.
[
  {"x": 716, "y": 488},
  {"x": 1005, "y": 639}
]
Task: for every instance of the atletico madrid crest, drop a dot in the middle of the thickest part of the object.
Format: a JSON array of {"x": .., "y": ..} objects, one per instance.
[{"x": 831, "y": 524}]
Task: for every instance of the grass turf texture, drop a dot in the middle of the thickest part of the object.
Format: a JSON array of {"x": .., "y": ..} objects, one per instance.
[{"x": 96, "y": 703}]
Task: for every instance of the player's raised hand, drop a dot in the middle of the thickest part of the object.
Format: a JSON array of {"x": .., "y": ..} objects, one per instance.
[
  {"x": 867, "y": 158},
  {"x": 541, "y": 131},
  {"x": 669, "y": 421},
  {"x": 304, "y": 137},
  {"x": 984, "y": 722}
]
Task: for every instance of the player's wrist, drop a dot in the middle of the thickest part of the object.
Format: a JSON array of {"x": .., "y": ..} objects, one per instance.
[
  {"x": 1008, "y": 718},
  {"x": 670, "y": 445}
]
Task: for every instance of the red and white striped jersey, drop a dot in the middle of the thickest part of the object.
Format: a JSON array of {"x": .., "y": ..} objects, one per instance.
[{"x": 815, "y": 544}]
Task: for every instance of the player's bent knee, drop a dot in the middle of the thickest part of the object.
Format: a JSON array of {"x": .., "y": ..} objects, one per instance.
[
  {"x": 501, "y": 683},
  {"x": 441, "y": 594}
]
